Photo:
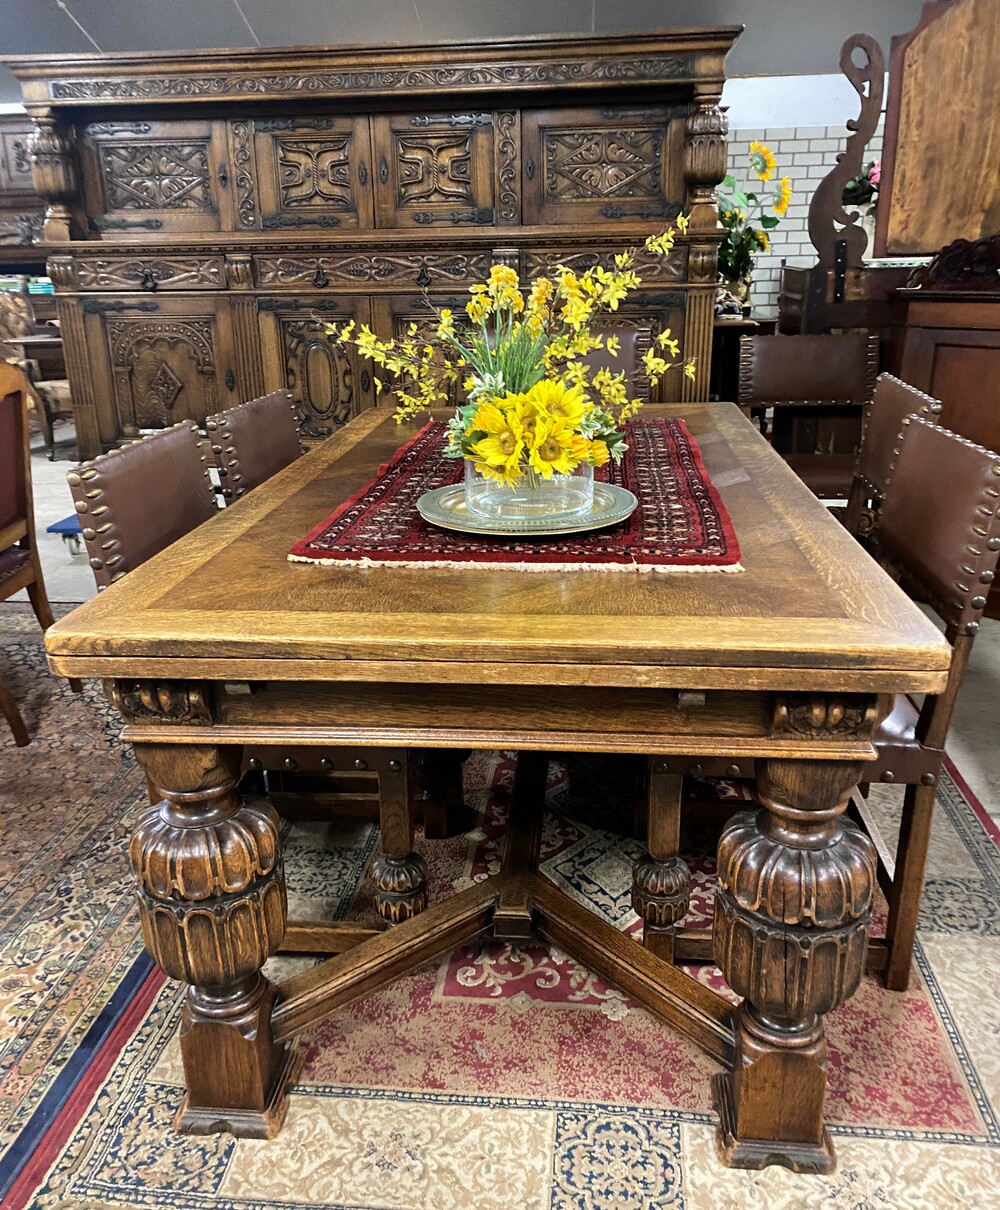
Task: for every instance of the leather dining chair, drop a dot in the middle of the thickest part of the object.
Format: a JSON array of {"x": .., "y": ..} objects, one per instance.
[
  {"x": 253, "y": 441},
  {"x": 938, "y": 531},
  {"x": 137, "y": 500},
  {"x": 883, "y": 421},
  {"x": 804, "y": 378},
  {"x": 20, "y": 566}
]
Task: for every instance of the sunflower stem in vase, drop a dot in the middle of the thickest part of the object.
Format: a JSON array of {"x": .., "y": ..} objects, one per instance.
[{"x": 536, "y": 413}]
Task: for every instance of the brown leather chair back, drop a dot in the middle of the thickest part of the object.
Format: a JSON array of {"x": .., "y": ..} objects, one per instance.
[
  {"x": 807, "y": 370},
  {"x": 254, "y": 441},
  {"x": 939, "y": 524},
  {"x": 135, "y": 501},
  {"x": 884, "y": 420}
]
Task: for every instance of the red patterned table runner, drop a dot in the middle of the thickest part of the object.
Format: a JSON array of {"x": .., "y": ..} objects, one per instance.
[{"x": 680, "y": 524}]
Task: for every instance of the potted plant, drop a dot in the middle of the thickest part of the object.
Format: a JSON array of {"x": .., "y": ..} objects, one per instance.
[{"x": 746, "y": 216}]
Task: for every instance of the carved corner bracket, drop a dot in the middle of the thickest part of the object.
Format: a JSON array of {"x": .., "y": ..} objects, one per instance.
[{"x": 150, "y": 701}]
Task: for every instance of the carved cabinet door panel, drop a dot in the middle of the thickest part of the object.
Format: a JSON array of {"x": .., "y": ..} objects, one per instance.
[
  {"x": 330, "y": 383},
  {"x": 395, "y": 315},
  {"x": 601, "y": 165},
  {"x": 159, "y": 361},
  {"x": 15, "y": 161},
  {"x": 141, "y": 178},
  {"x": 303, "y": 173},
  {"x": 434, "y": 169}
]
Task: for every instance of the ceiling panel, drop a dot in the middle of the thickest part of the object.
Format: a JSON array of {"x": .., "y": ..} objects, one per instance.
[
  {"x": 36, "y": 27},
  {"x": 782, "y": 37},
  {"x": 451, "y": 19},
  {"x": 162, "y": 24},
  {"x": 332, "y": 22}
]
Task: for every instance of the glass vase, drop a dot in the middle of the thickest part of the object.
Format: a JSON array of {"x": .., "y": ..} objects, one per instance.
[{"x": 534, "y": 498}]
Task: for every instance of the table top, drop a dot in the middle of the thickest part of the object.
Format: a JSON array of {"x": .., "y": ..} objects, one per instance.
[{"x": 812, "y": 610}]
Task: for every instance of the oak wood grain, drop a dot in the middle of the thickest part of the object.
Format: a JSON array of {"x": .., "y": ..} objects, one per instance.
[{"x": 809, "y": 603}]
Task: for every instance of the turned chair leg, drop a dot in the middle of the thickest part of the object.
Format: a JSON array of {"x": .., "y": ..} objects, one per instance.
[
  {"x": 908, "y": 884},
  {"x": 37, "y": 595},
  {"x": 13, "y": 716}
]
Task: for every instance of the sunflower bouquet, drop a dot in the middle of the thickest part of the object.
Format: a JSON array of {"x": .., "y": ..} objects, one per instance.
[
  {"x": 747, "y": 216},
  {"x": 534, "y": 407}
]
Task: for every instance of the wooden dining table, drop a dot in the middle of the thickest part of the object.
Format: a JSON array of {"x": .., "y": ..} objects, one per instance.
[{"x": 219, "y": 654}]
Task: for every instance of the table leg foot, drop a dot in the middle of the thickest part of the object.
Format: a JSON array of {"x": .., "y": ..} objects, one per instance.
[
  {"x": 257, "y": 1073},
  {"x": 737, "y": 1152},
  {"x": 400, "y": 887}
]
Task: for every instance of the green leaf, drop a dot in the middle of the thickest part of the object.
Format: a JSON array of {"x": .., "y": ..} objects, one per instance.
[
  {"x": 767, "y": 221},
  {"x": 729, "y": 182}
]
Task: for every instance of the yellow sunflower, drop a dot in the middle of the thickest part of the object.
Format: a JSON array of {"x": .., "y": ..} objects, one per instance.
[
  {"x": 552, "y": 398},
  {"x": 762, "y": 161},
  {"x": 503, "y": 445},
  {"x": 553, "y": 448},
  {"x": 783, "y": 195}
]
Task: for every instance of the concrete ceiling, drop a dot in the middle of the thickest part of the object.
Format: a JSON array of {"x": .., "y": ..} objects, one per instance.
[{"x": 783, "y": 37}]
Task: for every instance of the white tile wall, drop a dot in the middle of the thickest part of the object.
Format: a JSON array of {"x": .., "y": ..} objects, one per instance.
[{"x": 806, "y": 154}]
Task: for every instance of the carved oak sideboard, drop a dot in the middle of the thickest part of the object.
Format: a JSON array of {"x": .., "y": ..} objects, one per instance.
[{"x": 209, "y": 213}]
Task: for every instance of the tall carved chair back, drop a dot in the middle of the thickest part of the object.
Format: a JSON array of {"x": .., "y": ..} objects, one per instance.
[
  {"x": 939, "y": 530},
  {"x": 20, "y": 565},
  {"x": 137, "y": 500},
  {"x": 884, "y": 419},
  {"x": 807, "y": 377},
  {"x": 253, "y": 441}
]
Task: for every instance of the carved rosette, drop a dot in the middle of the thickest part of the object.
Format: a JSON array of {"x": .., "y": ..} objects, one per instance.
[
  {"x": 705, "y": 155},
  {"x": 800, "y": 911},
  {"x": 212, "y": 897},
  {"x": 400, "y": 887},
  {"x": 661, "y": 891}
]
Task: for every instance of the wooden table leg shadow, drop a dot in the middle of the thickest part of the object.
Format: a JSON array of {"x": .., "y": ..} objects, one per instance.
[{"x": 793, "y": 904}]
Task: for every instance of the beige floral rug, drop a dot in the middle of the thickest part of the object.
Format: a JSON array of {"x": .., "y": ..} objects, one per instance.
[{"x": 492, "y": 1078}]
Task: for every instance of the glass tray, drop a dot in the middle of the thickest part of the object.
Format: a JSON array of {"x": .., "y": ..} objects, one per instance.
[{"x": 445, "y": 507}]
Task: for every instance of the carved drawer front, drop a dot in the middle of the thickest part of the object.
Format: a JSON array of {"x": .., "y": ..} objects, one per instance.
[
  {"x": 330, "y": 383},
  {"x": 306, "y": 173},
  {"x": 15, "y": 161},
  {"x": 141, "y": 178},
  {"x": 150, "y": 273},
  {"x": 167, "y": 360},
  {"x": 434, "y": 169},
  {"x": 601, "y": 165},
  {"x": 390, "y": 270}
]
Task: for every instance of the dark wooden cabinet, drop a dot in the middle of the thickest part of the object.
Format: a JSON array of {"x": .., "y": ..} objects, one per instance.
[
  {"x": 951, "y": 350},
  {"x": 209, "y": 214}
]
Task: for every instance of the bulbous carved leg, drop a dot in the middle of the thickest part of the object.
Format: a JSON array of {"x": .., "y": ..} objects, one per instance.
[
  {"x": 400, "y": 874},
  {"x": 212, "y": 901},
  {"x": 661, "y": 881},
  {"x": 792, "y": 910}
]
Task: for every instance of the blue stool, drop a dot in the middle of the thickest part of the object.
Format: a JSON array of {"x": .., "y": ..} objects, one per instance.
[{"x": 69, "y": 530}]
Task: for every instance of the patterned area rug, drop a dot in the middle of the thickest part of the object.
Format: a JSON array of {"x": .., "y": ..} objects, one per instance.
[{"x": 492, "y": 1078}]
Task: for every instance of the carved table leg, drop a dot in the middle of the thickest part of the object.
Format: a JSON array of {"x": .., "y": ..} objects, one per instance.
[
  {"x": 212, "y": 901},
  {"x": 791, "y": 929},
  {"x": 661, "y": 881},
  {"x": 400, "y": 874}
]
